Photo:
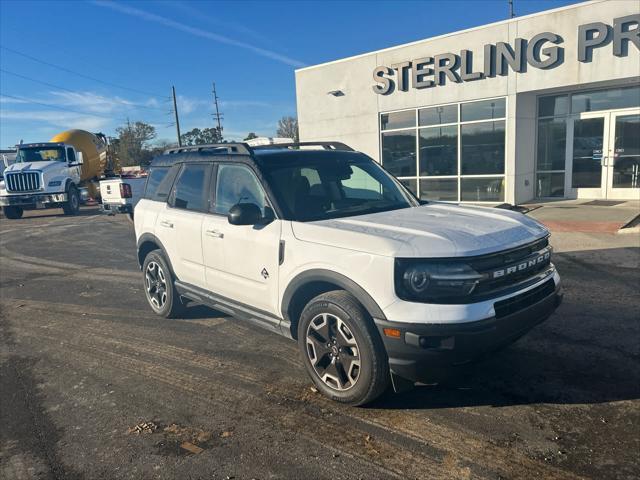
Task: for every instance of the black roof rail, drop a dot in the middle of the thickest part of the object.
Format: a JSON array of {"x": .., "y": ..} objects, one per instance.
[
  {"x": 296, "y": 145},
  {"x": 228, "y": 148}
]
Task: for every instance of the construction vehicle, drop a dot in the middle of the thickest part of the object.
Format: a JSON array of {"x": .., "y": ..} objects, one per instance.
[{"x": 59, "y": 173}]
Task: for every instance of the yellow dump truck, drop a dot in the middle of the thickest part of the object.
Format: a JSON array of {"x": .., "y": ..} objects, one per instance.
[{"x": 58, "y": 173}]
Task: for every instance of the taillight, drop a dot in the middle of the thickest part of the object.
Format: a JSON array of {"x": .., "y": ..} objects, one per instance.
[{"x": 125, "y": 190}]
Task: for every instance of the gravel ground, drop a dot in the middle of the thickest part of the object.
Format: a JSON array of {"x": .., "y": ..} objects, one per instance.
[{"x": 93, "y": 385}]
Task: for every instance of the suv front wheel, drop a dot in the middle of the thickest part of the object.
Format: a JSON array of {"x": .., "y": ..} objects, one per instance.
[
  {"x": 159, "y": 287},
  {"x": 341, "y": 349}
]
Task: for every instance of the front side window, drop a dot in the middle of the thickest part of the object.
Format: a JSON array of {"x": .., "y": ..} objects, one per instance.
[
  {"x": 237, "y": 184},
  {"x": 347, "y": 187},
  {"x": 71, "y": 155},
  {"x": 190, "y": 188}
]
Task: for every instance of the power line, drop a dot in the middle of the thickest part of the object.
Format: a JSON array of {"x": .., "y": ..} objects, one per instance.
[
  {"x": 123, "y": 102},
  {"x": 27, "y": 100},
  {"x": 64, "y": 69}
]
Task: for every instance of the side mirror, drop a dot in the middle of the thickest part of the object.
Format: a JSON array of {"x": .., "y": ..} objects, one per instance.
[
  {"x": 244, "y": 214},
  {"x": 79, "y": 158}
]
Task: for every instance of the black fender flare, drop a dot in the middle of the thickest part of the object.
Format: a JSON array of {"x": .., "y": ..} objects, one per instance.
[
  {"x": 329, "y": 276},
  {"x": 150, "y": 237}
]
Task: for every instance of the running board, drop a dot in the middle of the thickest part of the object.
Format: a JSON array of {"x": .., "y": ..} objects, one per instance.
[{"x": 262, "y": 319}]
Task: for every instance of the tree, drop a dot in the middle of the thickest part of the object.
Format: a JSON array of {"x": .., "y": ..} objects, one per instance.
[
  {"x": 131, "y": 146},
  {"x": 288, "y": 128},
  {"x": 201, "y": 137},
  {"x": 251, "y": 136}
]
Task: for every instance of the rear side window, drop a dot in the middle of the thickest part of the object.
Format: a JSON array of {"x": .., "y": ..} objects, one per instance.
[
  {"x": 159, "y": 183},
  {"x": 191, "y": 188}
]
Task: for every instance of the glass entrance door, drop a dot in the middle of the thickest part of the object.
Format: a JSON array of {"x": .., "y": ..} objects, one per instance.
[
  {"x": 604, "y": 155},
  {"x": 623, "y": 160},
  {"x": 587, "y": 161}
]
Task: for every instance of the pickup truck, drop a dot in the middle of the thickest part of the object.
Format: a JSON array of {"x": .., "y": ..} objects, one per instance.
[{"x": 121, "y": 194}]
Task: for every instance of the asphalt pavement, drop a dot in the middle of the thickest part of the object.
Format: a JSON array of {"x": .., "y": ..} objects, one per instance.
[{"x": 93, "y": 385}]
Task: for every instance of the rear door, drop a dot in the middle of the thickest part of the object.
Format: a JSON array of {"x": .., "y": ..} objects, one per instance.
[{"x": 179, "y": 224}]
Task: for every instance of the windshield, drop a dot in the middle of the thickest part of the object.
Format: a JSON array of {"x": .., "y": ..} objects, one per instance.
[
  {"x": 323, "y": 188},
  {"x": 41, "y": 154}
]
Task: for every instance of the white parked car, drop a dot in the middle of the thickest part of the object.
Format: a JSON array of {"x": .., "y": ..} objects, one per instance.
[{"x": 327, "y": 248}]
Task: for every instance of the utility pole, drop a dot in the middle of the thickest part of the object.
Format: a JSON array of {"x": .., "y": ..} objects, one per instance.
[
  {"x": 217, "y": 115},
  {"x": 175, "y": 111},
  {"x": 511, "y": 12}
]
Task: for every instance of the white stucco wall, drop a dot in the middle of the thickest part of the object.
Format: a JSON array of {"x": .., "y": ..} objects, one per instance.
[{"x": 353, "y": 117}]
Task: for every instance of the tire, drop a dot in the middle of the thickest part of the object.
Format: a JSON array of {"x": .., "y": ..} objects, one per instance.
[
  {"x": 12, "y": 212},
  {"x": 72, "y": 205},
  {"x": 159, "y": 287},
  {"x": 348, "y": 365}
]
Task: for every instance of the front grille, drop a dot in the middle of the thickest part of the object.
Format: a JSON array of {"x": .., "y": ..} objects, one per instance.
[
  {"x": 506, "y": 264},
  {"x": 22, "y": 182},
  {"x": 524, "y": 300}
]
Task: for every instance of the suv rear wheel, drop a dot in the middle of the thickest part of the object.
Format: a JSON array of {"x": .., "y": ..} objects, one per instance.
[
  {"x": 159, "y": 287},
  {"x": 342, "y": 350}
]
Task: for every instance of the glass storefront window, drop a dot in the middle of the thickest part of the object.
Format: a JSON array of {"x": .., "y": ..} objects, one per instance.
[
  {"x": 445, "y": 189},
  {"x": 391, "y": 121},
  {"x": 482, "y": 189},
  {"x": 482, "y": 147},
  {"x": 605, "y": 99},
  {"x": 553, "y": 106},
  {"x": 438, "y": 115},
  {"x": 550, "y": 185},
  {"x": 427, "y": 157},
  {"x": 399, "y": 153},
  {"x": 411, "y": 184},
  {"x": 439, "y": 151},
  {"x": 552, "y": 143},
  {"x": 484, "y": 110}
]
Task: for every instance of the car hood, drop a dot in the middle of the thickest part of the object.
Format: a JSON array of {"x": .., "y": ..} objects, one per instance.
[
  {"x": 32, "y": 166},
  {"x": 432, "y": 230}
]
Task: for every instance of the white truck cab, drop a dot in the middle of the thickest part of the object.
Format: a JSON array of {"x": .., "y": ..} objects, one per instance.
[
  {"x": 43, "y": 175},
  {"x": 325, "y": 247}
]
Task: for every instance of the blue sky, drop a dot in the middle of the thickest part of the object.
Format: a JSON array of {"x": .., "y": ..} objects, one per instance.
[{"x": 250, "y": 49}]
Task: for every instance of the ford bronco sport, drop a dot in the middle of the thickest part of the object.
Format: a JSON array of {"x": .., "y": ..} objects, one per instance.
[{"x": 320, "y": 244}]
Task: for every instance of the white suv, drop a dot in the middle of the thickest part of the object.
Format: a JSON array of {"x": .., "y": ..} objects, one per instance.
[{"x": 320, "y": 244}]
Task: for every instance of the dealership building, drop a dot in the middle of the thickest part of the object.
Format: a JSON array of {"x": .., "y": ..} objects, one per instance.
[{"x": 535, "y": 107}]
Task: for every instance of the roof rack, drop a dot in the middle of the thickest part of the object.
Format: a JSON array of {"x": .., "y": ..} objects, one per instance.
[
  {"x": 228, "y": 148},
  {"x": 297, "y": 145}
]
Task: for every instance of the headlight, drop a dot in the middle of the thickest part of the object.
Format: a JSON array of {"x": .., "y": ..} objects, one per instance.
[{"x": 437, "y": 282}]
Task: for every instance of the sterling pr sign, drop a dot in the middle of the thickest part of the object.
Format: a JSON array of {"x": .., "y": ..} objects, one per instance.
[{"x": 543, "y": 51}]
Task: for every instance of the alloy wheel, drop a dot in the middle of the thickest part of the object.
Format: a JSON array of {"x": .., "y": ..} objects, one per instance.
[
  {"x": 156, "y": 284},
  {"x": 333, "y": 351}
]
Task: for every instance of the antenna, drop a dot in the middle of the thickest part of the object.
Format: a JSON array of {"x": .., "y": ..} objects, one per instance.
[
  {"x": 511, "y": 12},
  {"x": 217, "y": 116}
]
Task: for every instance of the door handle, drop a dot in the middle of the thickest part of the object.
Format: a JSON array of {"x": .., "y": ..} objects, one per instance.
[
  {"x": 215, "y": 234},
  {"x": 167, "y": 224}
]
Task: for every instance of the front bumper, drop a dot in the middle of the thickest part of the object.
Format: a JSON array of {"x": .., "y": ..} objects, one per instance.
[
  {"x": 33, "y": 199},
  {"x": 428, "y": 353}
]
